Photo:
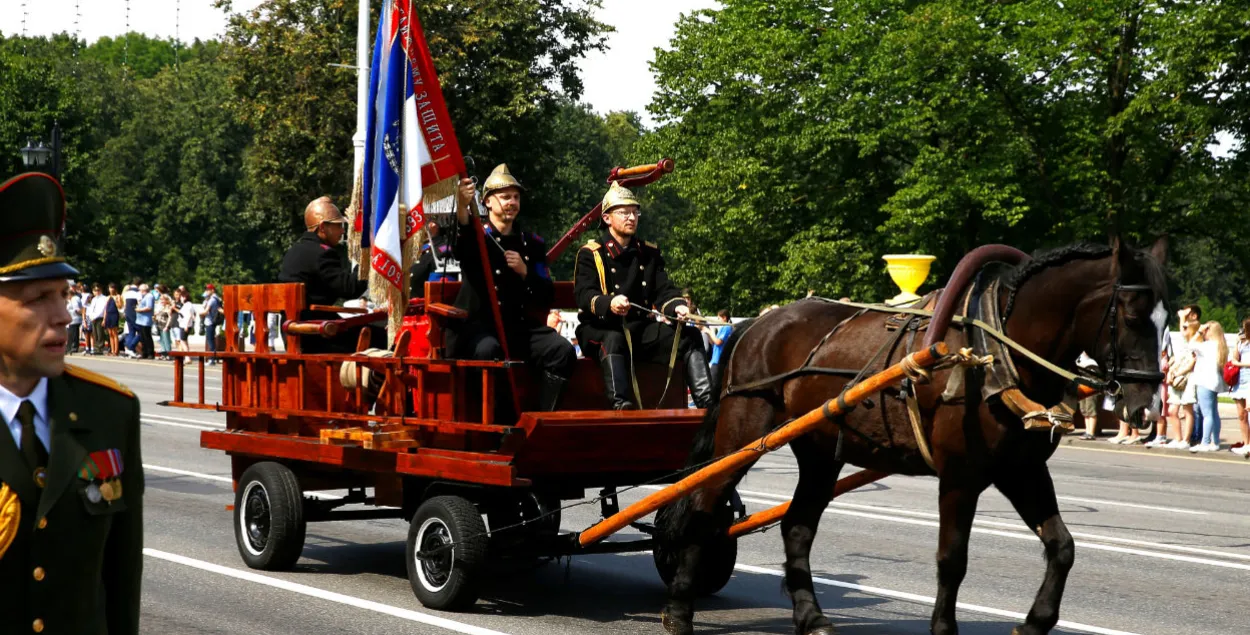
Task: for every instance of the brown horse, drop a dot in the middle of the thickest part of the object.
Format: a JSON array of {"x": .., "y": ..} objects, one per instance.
[{"x": 1105, "y": 301}]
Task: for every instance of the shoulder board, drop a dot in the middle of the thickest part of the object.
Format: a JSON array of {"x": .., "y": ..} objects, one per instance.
[
  {"x": 538, "y": 238},
  {"x": 593, "y": 244},
  {"x": 651, "y": 245},
  {"x": 92, "y": 377}
]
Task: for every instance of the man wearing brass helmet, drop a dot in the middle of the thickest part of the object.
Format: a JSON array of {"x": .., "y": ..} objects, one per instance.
[
  {"x": 613, "y": 276},
  {"x": 522, "y": 284},
  {"x": 71, "y": 478}
]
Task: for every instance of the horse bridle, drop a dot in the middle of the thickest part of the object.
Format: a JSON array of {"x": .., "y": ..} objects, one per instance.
[{"x": 1115, "y": 375}]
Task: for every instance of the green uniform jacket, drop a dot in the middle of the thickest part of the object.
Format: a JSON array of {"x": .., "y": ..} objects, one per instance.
[{"x": 74, "y": 566}]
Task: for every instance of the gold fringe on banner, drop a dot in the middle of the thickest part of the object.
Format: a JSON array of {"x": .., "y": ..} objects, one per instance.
[{"x": 354, "y": 250}]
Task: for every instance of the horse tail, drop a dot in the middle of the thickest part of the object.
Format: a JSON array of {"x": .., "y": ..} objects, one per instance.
[{"x": 672, "y": 521}]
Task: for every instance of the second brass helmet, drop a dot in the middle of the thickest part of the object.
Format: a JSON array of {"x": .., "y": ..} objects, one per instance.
[{"x": 500, "y": 178}]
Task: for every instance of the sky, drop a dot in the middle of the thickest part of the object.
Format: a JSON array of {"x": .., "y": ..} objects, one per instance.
[{"x": 617, "y": 79}]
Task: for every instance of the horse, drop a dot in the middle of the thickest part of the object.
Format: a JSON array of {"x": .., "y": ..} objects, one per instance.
[{"x": 1105, "y": 300}]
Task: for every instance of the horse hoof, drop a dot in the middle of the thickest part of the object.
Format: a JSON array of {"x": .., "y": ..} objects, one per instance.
[{"x": 672, "y": 627}]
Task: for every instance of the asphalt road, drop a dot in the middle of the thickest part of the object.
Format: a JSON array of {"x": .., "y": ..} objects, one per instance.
[{"x": 1163, "y": 546}]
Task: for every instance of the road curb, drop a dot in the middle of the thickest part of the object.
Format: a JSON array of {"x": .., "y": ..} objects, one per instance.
[{"x": 1101, "y": 444}]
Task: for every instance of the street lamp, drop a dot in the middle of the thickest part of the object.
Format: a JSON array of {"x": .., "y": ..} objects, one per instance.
[{"x": 43, "y": 158}]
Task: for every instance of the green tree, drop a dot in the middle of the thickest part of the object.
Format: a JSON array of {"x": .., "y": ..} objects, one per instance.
[
  {"x": 168, "y": 192},
  {"x": 818, "y": 136},
  {"x": 505, "y": 67}
]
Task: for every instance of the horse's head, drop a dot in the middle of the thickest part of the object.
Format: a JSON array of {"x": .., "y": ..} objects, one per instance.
[{"x": 1131, "y": 331}]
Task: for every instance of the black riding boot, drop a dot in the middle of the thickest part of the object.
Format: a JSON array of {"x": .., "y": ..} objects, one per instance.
[
  {"x": 697, "y": 377},
  {"x": 549, "y": 397},
  {"x": 616, "y": 381}
]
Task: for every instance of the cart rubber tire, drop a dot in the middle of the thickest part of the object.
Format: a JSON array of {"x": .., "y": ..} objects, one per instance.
[
  {"x": 269, "y": 525},
  {"x": 716, "y": 564},
  {"x": 447, "y": 582}
]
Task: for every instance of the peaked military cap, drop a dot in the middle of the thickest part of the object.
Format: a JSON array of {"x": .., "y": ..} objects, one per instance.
[
  {"x": 32, "y": 220},
  {"x": 500, "y": 179},
  {"x": 618, "y": 196}
]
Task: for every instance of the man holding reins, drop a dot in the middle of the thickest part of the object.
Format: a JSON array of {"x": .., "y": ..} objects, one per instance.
[{"x": 617, "y": 282}]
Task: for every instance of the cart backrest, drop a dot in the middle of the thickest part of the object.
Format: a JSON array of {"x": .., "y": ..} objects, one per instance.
[{"x": 261, "y": 300}]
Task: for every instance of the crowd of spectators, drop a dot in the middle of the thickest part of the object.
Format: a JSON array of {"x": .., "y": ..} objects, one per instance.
[{"x": 139, "y": 321}]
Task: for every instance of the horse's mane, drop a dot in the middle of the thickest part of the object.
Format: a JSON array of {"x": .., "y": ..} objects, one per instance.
[{"x": 1046, "y": 259}]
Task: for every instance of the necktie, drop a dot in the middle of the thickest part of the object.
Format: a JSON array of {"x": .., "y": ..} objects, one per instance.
[{"x": 32, "y": 449}]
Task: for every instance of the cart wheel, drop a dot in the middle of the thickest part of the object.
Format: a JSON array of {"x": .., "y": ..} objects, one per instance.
[
  {"x": 269, "y": 517},
  {"x": 443, "y": 577},
  {"x": 716, "y": 563}
]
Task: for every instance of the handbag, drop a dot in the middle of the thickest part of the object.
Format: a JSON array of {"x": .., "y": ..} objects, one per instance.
[
  {"x": 1179, "y": 382},
  {"x": 1232, "y": 373}
]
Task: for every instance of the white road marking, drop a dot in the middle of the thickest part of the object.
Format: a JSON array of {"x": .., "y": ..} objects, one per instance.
[
  {"x": 1016, "y": 531},
  {"x": 1021, "y": 535},
  {"x": 1096, "y": 501},
  {"x": 170, "y": 470},
  {"x": 924, "y": 599},
  {"x": 330, "y": 596},
  {"x": 224, "y": 479},
  {"x": 1016, "y": 525},
  {"x": 157, "y": 422},
  {"x": 148, "y": 415},
  {"x": 1157, "y": 455}
]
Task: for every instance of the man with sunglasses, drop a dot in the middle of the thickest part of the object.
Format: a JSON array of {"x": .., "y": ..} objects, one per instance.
[
  {"x": 317, "y": 261},
  {"x": 614, "y": 277}
]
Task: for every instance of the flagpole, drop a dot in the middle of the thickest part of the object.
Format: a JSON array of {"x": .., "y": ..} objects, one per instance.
[{"x": 362, "y": 84}]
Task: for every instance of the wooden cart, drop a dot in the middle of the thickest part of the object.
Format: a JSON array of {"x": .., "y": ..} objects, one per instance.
[{"x": 421, "y": 438}]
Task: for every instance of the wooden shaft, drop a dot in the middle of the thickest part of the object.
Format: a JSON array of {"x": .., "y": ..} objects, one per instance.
[
  {"x": 774, "y": 514},
  {"x": 665, "y": 165},
  {"x": 324, "y": 329},
  {"x": 752, "y": 451}
]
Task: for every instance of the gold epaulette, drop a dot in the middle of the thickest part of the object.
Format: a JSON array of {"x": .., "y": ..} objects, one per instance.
[
  {"x": 651, "y": 245},
  {"x": 93, "y": 377},
  {"x": 593, "y": 244}
]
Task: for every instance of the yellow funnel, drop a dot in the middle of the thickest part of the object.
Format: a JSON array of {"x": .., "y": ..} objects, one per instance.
[{"x": 908, "y": 271}]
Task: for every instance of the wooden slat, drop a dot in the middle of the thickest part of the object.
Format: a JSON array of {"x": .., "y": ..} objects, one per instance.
[{"x": 311, "y": 450}]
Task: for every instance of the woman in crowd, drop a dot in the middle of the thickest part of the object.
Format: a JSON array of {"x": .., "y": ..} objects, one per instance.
[
  {"x": 1241, "y": 357},
  {"x": 1182, "y": 390},
  {"x": 1209, "y": 356},
  {"x": 163, "y": 319},
  {"x": 186, "y": 320},
  {"x": 112, "y": 318}
]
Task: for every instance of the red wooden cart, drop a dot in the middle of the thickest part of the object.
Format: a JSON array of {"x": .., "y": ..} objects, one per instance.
[{"x": 399, "y": 433}]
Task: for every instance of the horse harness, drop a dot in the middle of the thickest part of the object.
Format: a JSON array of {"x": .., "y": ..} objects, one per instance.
[{"x": 987, "y": 343}]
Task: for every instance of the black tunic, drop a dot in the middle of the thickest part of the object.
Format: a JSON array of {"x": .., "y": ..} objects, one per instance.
[
  {"x": 636, "y": 271},
  {"x": 523, "y": 302},
  {"x": 325, "y": 271}
]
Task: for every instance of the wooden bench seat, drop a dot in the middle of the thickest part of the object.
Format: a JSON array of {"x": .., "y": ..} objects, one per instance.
[{"x": 586, "y": 388}]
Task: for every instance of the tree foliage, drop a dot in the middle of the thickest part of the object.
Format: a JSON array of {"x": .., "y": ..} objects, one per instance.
[
  {"x": 818, "y": 136},
  {"x": 189, "y": 164}
]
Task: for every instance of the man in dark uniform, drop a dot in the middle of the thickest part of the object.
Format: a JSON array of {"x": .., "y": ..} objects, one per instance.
[
  {"x": 522, "y": 283},
  {"x": 317, "y": 261},
  {"x": 71, "y": 477},
  {"x": 615, "y": 273}
]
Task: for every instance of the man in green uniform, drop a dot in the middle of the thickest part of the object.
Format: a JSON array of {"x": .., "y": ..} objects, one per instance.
[{"x": 71, "y": 479}]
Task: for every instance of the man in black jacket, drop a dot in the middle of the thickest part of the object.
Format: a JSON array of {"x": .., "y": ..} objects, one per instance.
[
  {"x": 316, "y": 260},
  {"x": 615, "y": 275},
  {"x": 522, "y": 285}
]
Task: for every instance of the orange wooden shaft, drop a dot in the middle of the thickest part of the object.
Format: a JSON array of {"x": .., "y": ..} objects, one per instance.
[
  {"x": 324, "y": 329},
  {"x": 774, "y": 514},
  {"x": 638, "y": 170},
  {"x": 752, "y": 451}
]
